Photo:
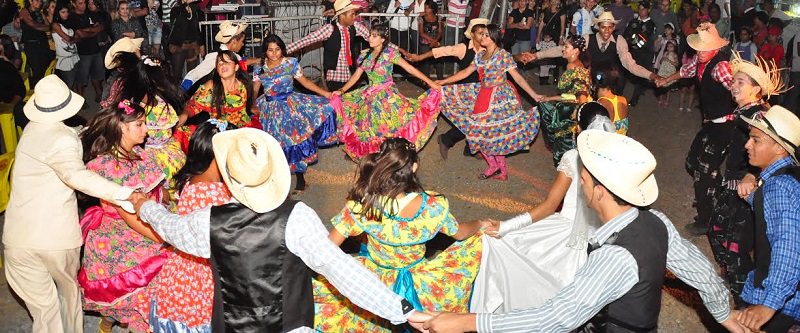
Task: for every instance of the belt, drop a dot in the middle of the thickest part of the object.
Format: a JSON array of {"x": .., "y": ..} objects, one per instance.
[
  {"x": 721, "y": 120},
  {"x": 278, "y": 97}
]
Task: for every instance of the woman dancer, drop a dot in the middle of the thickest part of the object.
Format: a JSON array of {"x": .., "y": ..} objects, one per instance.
[
  {"x": 227, "y": 96},
  {"x": 372, "y": 113},
  {"x": 542, "y": 247},
  {"x": 298, "y": 121},
  {"x": 122, "y": 255},
  {"x": 145, "y": 82},
  {"x": 389, "y": 204},
  {"x": 558, "y": 124},
  {"x": 185, "y": 290},
  {"x": 490, "y": 113},
  {"x": 732, "y": 222}
]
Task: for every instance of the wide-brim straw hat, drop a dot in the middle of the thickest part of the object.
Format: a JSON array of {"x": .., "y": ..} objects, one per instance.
[
  {"x": 706, "y": 39},
  {"x": 621, "y": 164},
  {"x": 52, "y": 101},
  {"x": 605, "y": 17},
  {"x": 764, "y": 72},
  {"x": 253, "y": 167},
  {"x": 474, "y": 22},
  {"x": 343, "y": 6},
  {"x": 228, "y": 29},
  {"x": 781, "y": 125},
  {"x": 124, "y": 44}
]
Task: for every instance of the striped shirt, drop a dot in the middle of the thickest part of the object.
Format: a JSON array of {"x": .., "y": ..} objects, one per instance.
[
  {"x": 457, "y": 7},
  {"x": 779, "y": 292},
  {"x": 342, "y": 72},
  {"x": 610, "y": 272},
  {"x": 306, "y": 237}
]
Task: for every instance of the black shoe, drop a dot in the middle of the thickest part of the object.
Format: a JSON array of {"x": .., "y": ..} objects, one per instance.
[
  {"x": 443, "y": 148},
  {"x": 467, "y": 152},
  {"x": 697, "y": 229}
]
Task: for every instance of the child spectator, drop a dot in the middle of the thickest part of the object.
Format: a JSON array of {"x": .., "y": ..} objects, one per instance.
[
  {"x": 544, "y": 69},
  {"x": 772, "y": 49},
  {"x": 667, "y": 64},
  {"x": 745, "y": 47},
  {"x": 617, "y": 106}
]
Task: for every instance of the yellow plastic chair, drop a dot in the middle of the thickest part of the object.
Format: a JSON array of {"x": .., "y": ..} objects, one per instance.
[
  {"x": 6, "y": 161},
  {"x": 24, "y": 71},
  {"x": 8, "y": 127}
]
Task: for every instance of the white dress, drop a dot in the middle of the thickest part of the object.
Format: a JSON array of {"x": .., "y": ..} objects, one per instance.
[{"x": 528, "y": 266}]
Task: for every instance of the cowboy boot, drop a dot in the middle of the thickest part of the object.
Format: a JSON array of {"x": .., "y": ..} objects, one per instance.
[
  {"x": 500, "y": 161},
  {"x": 491, "y": 170}
]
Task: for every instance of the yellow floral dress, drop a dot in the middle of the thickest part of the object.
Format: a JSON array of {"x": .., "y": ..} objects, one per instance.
[{"x": 395, "y": 252}]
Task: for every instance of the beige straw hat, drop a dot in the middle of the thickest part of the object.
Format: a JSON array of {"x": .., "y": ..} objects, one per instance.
[
  {"x": 605, "y": 17},
  {"x": 781, "y": 125},
  {"x": 766, "y": 74},
  {"x": 343, "y": 6},
  {"x": 253, "y": 167},
  {"x": 472, "y": 23},
  {"x": 621, "y": 164},
  {"x": 228, "y": 29},
  {"x": 124, "y": 44},
  {"x": 706, "y": 39},
  {"x": 52, "y": 101}
]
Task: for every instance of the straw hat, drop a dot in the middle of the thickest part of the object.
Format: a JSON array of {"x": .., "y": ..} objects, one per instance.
[
  {"x": 706, "y": 39},
  {"x": 343, "y": 6},
  {"x": 781, "y": 125},
  {"x": 124, "y": 44},
  {"x": 765, "y": 72},
  {"x": 52, "y": 101},
  {"x": 474, "y": 22},
  {"x": 621, "y": 164},
  {"x": 253, "y": 167},
  {"x": 228, "y": 29},
  {"x": 605, "y": 17}
]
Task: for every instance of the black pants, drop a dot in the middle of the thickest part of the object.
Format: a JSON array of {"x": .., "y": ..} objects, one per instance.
[
  {"x": 703, "y": 163},
  {"x": 39, "y": 58},
  {"x": 453, "y": 136},
  {"x": 730, "y": 234}
]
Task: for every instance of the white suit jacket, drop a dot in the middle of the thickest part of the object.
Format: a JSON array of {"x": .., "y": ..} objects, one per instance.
[{"x": 42, "y": 212}]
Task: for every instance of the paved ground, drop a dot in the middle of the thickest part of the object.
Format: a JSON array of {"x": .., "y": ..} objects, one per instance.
[{"x": 666, "y": 131}]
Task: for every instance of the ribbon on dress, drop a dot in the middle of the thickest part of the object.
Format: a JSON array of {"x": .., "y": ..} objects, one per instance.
[
  {"x": 93, "y": 217},
  {"x": 371, "y": 90},
  {"x": 278, "y": 97},
  {"x": 403, "y": 283}
]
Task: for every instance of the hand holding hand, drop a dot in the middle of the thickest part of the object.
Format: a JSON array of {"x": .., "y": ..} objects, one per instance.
[
  {"x": 337, "y": 92},
  {"x": 746, "y": 186},
  {"x": 440, "y": 83},
  {"x": 755, "y": 316},
  {"x": 418, "y": 319},
  {"x": 137, "y": 199},
  {"x": 447, "y": 322},
  {"x": 491, "y": 228},
  {"x": 734, "y": 326},
  {"x": 435, "y": 86},
  {"x": 412, "y": 57}
]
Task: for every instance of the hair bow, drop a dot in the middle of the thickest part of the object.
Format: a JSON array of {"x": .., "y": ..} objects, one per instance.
[
  {"x": 125, "y": 104},
  {"x": 220, "y": 124}
]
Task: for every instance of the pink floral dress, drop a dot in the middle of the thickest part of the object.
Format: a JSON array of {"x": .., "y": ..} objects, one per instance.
[
  {"x": 119, "y": 264},
  {"x": 185, "y": 290}
]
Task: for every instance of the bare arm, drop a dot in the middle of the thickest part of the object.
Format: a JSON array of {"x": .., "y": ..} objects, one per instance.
[
  {"x": 57, "y": 29},
  {"x": 336, "y": 237},
  {"x": 523, "y": 84},
  {"x": 353, "y": 79},
  {"x": 466, "y": 230},
  {"x": 629, "y": 63},
  {"x": 137, "y": 225},
  {"x": 416, "y": 73},
  {"x": 25, "y": 15},
  {"x": 563, "y": 19},
  {"x": 139, "y": 12},
  {"x": 462, "y": 74},
  {"x": 310, "y": 85},
  {"x": 554, "y": 197},
  {"x": 419, "y": 57}
]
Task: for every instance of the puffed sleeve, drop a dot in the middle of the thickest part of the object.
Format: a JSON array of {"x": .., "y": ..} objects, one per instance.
[
  {"x": 394, "y": 53},
  {"x": 507, "y": 63},
  {"x": 294, "y": 68},
  {"x": 345, "y": 222}
]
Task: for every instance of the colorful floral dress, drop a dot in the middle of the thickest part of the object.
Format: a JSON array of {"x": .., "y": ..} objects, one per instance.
[
  {"x": 160, "y": 120},
  {"x": 300, "y": 122},
  {"x": 185, "y": 290},
  {"x": 234, "y": 109},
  {"x": 120, "y": 266},
  {"x": 395, "y": 252},
  {"x": 489, "y": 112},
  {"x": 376, "y": 111},
  {"x": 558, "y": 120}
]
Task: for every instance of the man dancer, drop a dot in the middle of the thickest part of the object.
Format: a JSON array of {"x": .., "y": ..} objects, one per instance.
[
  {"x": 710, "y": 66},
  {"x": 772, "y": 288},
  {"x": 340, "y": 51},
  {"x": 263, "y": 233},
  {"x": 628, "y": 254}
]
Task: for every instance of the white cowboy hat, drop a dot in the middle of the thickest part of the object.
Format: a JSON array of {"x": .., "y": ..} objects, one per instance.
[
  {"x": 621, "y": 164},
  {"x": 605, "y": 17},
  {"x": 342, "y": 6},
  {"x": 124, "y": 44},
  {"x": 474, "y": 22},
  {"x": 52, "y": 101},
  {"x": 706, "y": 39},
  {"x": 781, "y": 125},
  {"x": 253, "y": 167},
  {"x": 228, "y": 29}
]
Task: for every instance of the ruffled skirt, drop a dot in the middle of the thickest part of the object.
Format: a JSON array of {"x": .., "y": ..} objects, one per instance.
[{"x": 558, "y": 127}]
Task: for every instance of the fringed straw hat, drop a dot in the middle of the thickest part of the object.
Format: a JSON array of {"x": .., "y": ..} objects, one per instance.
[{"x": 765, "y": 72}]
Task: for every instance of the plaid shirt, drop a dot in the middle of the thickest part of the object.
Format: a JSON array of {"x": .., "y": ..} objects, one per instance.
[
  {"x": 782, "y": 216},
  {"x": 342, "y": 71},
  {"x": 722, "y": 72},
  {"x": 306, "y": 237}
]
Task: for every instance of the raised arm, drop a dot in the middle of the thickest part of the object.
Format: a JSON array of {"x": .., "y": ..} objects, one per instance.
[{"x": 318, "y": 35}]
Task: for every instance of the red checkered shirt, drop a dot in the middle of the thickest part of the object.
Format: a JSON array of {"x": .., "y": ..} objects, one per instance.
[
  {"x": 342, "y": 71},
  {"x": 722, "y": 72}
]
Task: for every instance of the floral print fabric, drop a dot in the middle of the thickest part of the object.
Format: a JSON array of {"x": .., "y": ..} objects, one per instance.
[
  {"x": 443, "y": 283},
  {"x": 300, "y": 122},
  {"x": 233, "y": 109},
  {"x": 185, "y": 292},
  {"x": 558, "y": 120}
]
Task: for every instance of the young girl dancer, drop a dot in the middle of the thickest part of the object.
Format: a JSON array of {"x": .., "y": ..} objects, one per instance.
[
  {"x": 122, "y": 255},
  {"x": 389, "y": 204},
  {"x": 490, "y": 113},
  {"x": 298, "y": 121},
  {"x": 617, "y": 106},
  {"x": 376, "y": 111},
  {"x": 185, "y": 290}
]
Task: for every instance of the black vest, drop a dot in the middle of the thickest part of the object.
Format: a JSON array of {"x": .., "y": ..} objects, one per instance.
[
  {"x": 333, "y": 45},
  {"x": 468, "y": 59},
  {"x": 715, "y": 99},
  {"x": 603, "y": 59},
  {"x": 763, "y": 250},
  {"x": 646, "y": 239},
  {"x": 259, "y": 286}
]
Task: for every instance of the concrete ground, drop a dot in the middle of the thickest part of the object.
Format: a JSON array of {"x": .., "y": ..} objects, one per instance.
[{"x": 666, "y": 131}]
